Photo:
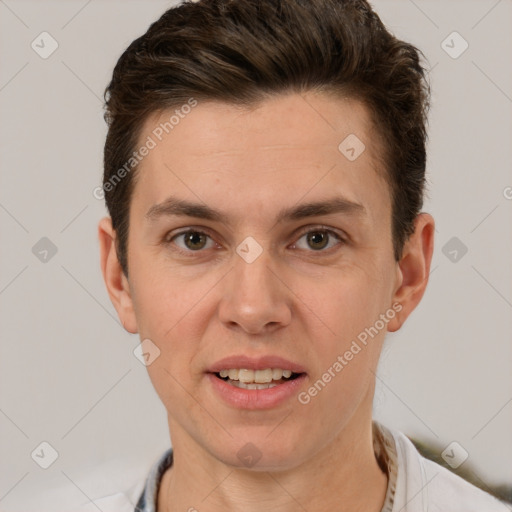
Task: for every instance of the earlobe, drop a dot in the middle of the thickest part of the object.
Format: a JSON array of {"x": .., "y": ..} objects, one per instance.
[
  {"x": 414, "y": 269},
  {"x": 117, "y": 284}
]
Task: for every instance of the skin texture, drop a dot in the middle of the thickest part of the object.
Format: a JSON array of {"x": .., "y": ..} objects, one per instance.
[{"x": 295, "y": 301}]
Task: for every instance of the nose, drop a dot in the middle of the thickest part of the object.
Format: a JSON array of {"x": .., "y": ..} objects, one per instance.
[{"x": 254, "y": 298}]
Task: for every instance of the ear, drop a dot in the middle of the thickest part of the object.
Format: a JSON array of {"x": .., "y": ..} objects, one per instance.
[
  {"x": 413, "y": 269},
  {"x": 116, "y": 282}
]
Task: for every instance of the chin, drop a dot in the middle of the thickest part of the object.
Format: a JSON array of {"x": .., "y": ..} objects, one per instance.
[{"x": 259, "y": 452}]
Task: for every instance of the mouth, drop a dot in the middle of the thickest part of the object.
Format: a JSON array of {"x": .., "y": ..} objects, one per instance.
[
  {"x": 267, "y": 378},
  {"x": 255, "y": 383}
]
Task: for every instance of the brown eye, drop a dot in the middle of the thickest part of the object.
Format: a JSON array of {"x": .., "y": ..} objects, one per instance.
[
  {"x": 317, "y": 239},
  {"x": 194, "y": 240},
  {"x": 190, "y": 241}
]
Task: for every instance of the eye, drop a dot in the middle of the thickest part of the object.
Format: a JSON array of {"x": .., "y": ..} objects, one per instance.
[
  {"x": 192, "y": 241},
  {"x": 319, "y": 239}
]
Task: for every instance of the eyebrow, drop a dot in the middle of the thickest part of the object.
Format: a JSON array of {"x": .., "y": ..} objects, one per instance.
[{"x": 178, "y": 207}]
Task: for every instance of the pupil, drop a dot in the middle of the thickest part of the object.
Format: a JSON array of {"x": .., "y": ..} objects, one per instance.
[{"x": 317, "y": 238}]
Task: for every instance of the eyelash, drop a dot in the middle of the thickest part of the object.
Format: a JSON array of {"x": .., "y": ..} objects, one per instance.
[{"x": 318, "y": 229}]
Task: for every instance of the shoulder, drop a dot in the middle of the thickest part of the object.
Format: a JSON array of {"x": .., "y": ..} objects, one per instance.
[
  {"x": 448, "y": 489},
  {"x": 118, "y": 487},
  {"x": 141, "y": 496},
  {"x": 423, "y": 485},
  {"x": 123, "y": 501}
]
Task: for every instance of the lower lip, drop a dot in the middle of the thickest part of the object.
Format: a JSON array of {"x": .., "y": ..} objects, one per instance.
[{"x": 256, "y": 398}]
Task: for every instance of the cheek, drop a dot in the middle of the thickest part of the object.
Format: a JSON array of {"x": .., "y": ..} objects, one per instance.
[
  {"x": 333, "y": 397},
  {"x": 168, "y": 314},
  {"x": 346, "y": 344},
  {"x": 346, "y": 301},
  {"x": 166, "y": 298},
  {"x": 347, "y": 354}
]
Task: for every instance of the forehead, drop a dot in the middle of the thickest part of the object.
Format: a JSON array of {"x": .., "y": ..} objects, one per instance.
[{"x": 281, "y": 149}]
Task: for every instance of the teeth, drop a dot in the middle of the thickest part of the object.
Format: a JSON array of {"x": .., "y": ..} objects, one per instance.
[
  {"x": 246, "y": 376},
  {"x": 263, "y": 375},
  {"x": 249, "y": 377},
  {"x": 252, "y": 385},
  {"x": 277, "y": 373}
]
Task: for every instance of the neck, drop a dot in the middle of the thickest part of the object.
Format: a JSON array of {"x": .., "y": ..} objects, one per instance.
[{"x": 344, "y": 476}]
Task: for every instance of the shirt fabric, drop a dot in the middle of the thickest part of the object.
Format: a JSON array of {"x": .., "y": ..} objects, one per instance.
[{"x": 415, "y": 484}]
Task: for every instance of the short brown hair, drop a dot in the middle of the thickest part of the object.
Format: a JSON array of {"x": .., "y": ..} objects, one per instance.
[{"x": 242, "y": 51}]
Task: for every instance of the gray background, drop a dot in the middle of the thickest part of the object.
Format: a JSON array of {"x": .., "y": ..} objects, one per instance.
[{"x": 68, "y": 375}]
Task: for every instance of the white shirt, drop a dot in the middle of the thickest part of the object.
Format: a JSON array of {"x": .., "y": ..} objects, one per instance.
[{"x": 415, "y": 484}]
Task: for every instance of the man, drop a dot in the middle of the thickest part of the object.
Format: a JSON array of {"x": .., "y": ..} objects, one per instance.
[{"x": 264, "y": 175}]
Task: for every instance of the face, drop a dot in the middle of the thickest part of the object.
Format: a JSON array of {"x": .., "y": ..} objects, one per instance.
[{"x": 257, "y": 243}]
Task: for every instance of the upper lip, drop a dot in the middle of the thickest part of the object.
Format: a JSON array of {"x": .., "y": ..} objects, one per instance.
[{"x": 255, "y": 363}]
